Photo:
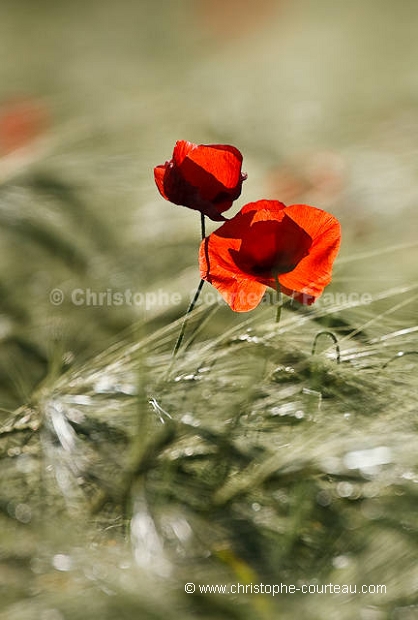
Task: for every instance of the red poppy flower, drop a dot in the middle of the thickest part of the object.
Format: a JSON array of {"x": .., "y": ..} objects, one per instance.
[
  {"x": 205, "y": 177},
  {"x": 268, "y": 243}
]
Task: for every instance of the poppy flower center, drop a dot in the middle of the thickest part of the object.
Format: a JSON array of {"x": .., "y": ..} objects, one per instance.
[{"x": 270, "y": 248}]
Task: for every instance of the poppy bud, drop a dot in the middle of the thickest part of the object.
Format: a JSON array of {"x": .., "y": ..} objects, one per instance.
[{"x": 206, "y": 178}]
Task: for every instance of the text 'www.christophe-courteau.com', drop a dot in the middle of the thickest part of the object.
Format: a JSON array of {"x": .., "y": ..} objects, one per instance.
[{"x": 280, "y": 589}]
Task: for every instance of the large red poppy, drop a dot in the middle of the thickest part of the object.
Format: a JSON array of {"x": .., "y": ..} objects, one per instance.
[
  {"x": 267, "y": 244},
  {"x": 205, "y": 177}
]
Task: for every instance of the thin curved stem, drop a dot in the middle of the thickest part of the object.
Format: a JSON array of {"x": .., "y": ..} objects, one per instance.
[
  {"x": 397, "y": 356},
  {"x": 189, "y": 310},
  {"x": 333, "y": 337},
  {"x": 196, "y": 295}
]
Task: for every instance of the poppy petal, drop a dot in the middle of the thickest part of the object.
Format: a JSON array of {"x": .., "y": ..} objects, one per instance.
[
  {"x": 159, "y": 174},
  {"x": 269, "y": 241},
  {"x": 216, "y": 172},
  {"x": 265, "y": 210},
  {"x": 182, "y": 148},
  {"x": 217, "y": 267},
  {"x": 222, "y": 161},
  {"x": 313, "y": 273},
  {"x": 272, "y": 247}
]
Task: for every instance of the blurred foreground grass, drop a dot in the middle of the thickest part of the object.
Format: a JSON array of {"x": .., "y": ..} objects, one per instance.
[{"x": 250, "y": 459}]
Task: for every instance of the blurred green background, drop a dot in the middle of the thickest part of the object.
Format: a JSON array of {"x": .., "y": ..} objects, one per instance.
[{"x": 321, "y": 98}]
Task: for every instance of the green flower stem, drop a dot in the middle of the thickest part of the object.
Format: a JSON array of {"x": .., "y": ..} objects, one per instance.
[
  {"x": 195, "y": 298},
  {"x": 279, "y": 299},
  {"x": 189, "y": 310},
  {"x": 202, "y": 226}
]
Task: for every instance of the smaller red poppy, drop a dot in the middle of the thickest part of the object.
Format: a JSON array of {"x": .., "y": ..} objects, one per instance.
[
  {"x": 269, "y": 244},
  {"x": 204, "y": 177}
]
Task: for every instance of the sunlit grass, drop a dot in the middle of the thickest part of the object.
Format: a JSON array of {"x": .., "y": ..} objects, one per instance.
[{"x": 245, "y": 458}]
